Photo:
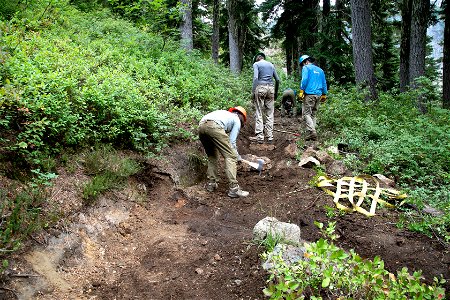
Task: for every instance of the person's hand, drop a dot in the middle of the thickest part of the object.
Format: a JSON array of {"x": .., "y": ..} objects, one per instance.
[
  {"x": 301, "y": 95},
  {"x": 323, "y": 98}
]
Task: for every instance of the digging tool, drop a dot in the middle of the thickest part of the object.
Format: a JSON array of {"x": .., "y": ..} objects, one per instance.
[
  {"x": 289, "y": 132},
  {"x": 258, "y": 166}
]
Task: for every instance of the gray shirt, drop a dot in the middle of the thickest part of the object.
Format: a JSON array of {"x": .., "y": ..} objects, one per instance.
[{"x": 263, "y": 72}]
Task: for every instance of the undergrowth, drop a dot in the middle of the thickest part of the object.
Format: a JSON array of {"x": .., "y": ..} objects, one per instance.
[
  {"x": 328, "y": 272},
  {"x": 391, "y": 137},
  {"x": 71, "y": 79}
]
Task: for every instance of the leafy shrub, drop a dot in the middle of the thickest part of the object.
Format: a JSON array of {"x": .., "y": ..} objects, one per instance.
[
  {"x": 329, "y": 272},
  {"x": 72, "y": 79},
  {"x": 391, "y": 137}
]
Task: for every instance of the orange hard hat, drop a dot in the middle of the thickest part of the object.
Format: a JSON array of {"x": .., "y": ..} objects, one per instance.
[{"x": 241, "y": 110}]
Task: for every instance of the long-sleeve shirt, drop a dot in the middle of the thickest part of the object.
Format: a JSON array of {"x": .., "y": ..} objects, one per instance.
[
  {"x": 229, "y": 121},
  {"x": 313, "y": 80},
  {"x": 263, "y": 72}
]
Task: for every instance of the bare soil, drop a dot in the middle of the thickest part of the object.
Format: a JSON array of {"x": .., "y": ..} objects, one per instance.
[{"x": 164, "y": 237}]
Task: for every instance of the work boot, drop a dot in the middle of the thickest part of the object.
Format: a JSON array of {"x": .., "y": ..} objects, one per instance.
[
  {"x": 237, "y": 192},
  {"x": 256, "y": 139},
  {"x": 211, "y": 186}
]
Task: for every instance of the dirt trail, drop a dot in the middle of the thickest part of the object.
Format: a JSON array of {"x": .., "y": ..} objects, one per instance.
[{"x": 165, "y": 237}]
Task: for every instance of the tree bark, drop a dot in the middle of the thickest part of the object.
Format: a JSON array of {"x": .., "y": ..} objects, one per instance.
[
  {"x": 405, "y": 44},
  {"x": 419, "y": 13},
  {"x": 362, "y": 47},
  {"x": 233, "y": 37},
  {"x": 419, "y": 18},
  {"x": 215, "y": 35},
  {"x": 187, "y": 41},
  {"x": 446, "y": 59}
]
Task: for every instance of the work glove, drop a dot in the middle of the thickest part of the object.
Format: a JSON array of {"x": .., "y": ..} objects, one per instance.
[
  {"x": 323, "y": 98},
  {"x": 301, "y": 95}
]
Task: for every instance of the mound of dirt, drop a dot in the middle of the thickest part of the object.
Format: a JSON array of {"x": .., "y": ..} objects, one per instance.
[{"x": 165, "y": 237}]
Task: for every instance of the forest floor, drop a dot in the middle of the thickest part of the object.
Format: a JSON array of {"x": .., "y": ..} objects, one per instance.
[{"x": 164, "y": 237}]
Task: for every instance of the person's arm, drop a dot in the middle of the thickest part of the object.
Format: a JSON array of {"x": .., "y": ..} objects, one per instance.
[
  {"x": 234, "y": 134},
  {"x": 277, "y": 82},
  {"x": 324, "y": 83},
  {"x": 305, "y": 78},
  {"x": 255, "y": 77}
]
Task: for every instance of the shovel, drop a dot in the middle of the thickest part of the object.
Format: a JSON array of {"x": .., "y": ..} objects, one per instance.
[{"x": 258, "y": 166}]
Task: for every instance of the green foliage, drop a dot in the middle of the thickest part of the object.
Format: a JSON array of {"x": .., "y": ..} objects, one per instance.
[
  {"x": 20, "y": 214},
  {"x": 391, "y": 137},
  {"x": 71, "y": 79},
  {"x": 109, "y": 171},
  {"x": 332, "y": 273}
]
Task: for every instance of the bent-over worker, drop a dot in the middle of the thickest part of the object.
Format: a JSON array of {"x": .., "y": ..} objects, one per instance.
[{"x": 218, "y": 132}]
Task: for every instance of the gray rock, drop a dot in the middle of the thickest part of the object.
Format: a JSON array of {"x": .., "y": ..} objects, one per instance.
[
  {"x": 290, "y": 255},
  {"x": 309, "y": 162},
  {"x": 269, "y": 226}
]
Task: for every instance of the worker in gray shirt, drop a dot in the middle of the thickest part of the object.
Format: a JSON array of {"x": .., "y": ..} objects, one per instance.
[{"x": 264, "y": 92}]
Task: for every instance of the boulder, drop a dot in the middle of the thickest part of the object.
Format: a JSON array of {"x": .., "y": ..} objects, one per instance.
[
  {"x": 269, "y": 226},
  {"x": 324, "y": 157},
  {"x": 336, "y": 167},
  {"x": 289, "y": 253},
  {"x": 291, "y": 150},
  {"x": 309, "y": 162}
]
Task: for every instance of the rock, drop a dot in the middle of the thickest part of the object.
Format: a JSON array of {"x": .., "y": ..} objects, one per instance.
[
  {"x": 336, "y": 167},
  {"x": 432, "y": 211},
  {"x": 333, "y": 149},
  {"x": 385, "y": 180},
  {"x": 324, "y": 157},
  {"x": 309, "y": 162},
  {"x": 269, "y": 226},
  {"x": 290, "y": 255},
  {"x": 291, "y": 150},
  {"x": 308, "y": 152},
  {"x": 199, "y": 271}
]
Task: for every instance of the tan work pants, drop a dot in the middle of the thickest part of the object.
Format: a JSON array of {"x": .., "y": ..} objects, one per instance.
[
  {"x": 264, "y": 109},
  {"x": 215, "y": 140},
  {"x": 310, "y": 106}
]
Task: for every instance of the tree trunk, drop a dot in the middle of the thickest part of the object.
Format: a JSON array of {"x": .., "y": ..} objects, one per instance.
[
  {"x": 419, "y": 13},
  {"x": 233, "y": 37},
  {"x": 405, "y": 44},
  {"x": 325, "y": 31},
  {"x": 187, "y": 41},
  {"x": 362, "y": 47},
  {"x": 446, "y": 59},
  {"x": 215, "y": 35}
]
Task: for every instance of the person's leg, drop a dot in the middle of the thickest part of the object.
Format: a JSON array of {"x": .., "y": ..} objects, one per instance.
[
  {"x": 259, "y": 105},
  {"x": 222, "y": 144},
  {"x": 307, "y": 111},
  {"x": 213, "y": 156},
  {"x": 315, "y": 109},
  {"x": 269, "y": 111}
]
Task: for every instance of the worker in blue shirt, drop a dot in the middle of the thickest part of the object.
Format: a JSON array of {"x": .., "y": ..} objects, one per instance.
[{"x": 313, "y": 90}]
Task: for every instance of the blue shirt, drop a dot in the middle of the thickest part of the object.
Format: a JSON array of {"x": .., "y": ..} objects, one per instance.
[
  {"x": 229, "y": 121},
  {"x": 313, "y": 80}
]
